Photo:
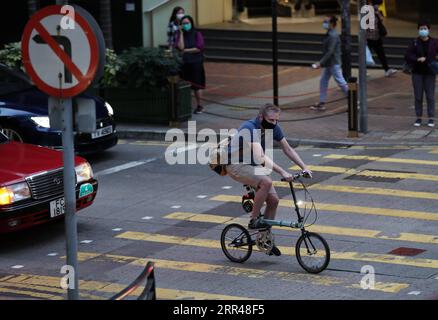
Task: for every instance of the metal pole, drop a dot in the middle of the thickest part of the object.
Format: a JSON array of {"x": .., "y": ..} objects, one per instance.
[
  {"x": 70, "y": 195},
  {"x": 363, "y": 123},
  {"x": 346, "y": 39},
  {"x": 275, "y": 51}
]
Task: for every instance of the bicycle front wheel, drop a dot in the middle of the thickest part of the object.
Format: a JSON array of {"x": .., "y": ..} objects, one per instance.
[
  {"x": 236, "y": 243},
  {"x": 313, "y": 253}
]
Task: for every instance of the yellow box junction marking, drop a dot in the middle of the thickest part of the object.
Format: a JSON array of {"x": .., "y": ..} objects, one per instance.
[
  {"x": 372, "y": 210},
  {"x": 215, "y": 244},
  {"x": 245, "y": 272},
  {"x": 52, "y": 285},
  {"x": 383, "y": 159},
  {"x": 352, "y": 232},
  {"x": 371, "y": 173}
]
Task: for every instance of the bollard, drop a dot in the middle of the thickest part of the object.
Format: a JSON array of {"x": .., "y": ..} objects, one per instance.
[
  {"x": 173, "y": 105},
  {"x": 352, "y": 108}
]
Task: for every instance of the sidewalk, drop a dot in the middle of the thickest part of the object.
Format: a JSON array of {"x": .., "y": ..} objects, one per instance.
[{"x": 235, "y": 91}]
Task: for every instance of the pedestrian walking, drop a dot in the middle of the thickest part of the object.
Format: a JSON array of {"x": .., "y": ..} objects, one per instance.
[
  {"x": 173, "y": 27},
  {"x": 191, "y": 43},
  {"x": 375, "y": 38},
  {"x": 330, "y": 62},
  {"x": 422, "y": 56}
]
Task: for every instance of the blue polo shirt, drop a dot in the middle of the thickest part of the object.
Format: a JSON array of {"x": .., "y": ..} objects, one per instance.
[{"x": 249, "y": 132}]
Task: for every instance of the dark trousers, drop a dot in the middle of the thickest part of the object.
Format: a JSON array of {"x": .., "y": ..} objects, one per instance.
[
  {"x": 424, "y": 83},
  {"x": 377, "y": 47}
]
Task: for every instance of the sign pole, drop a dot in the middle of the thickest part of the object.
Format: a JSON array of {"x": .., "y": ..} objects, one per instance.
[
  {"x": 363, "y": 123},
  {"x": 70, "y": 197},
  {"x": 275, "y": 51}
]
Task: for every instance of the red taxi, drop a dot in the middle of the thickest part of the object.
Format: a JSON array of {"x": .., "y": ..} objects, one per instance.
[{"x": 31, "y": 185}]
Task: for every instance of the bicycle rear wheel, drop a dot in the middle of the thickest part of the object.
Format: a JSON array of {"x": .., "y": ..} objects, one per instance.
[
  {"x": 313, "y": 252},
  {"x": 236, "y": 243}
]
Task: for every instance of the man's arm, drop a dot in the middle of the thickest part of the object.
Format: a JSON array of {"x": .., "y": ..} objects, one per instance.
[
  {"x": 293, "y": 155},
  {"x": 261, "y": 158}
]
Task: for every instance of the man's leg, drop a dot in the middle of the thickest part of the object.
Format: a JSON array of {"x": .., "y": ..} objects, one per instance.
[
  {"x": 261, "y": 196},
  {"x": 271, "y": 205},
  {"x": 323, "y": 84},
  {"x": 339, "y": 78}
]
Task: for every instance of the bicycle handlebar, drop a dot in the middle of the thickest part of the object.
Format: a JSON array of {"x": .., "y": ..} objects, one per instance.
[{"x": 298, "y": 175}]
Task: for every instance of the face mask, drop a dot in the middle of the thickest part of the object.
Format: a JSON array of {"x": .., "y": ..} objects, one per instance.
[
  {"x": 179, "y": 16},
  {"x": 326, "y": 25},
  {"x": 187, "y": 27},
  {"x": 267, "y": 125},
  {"x": 424, "y": 33}
]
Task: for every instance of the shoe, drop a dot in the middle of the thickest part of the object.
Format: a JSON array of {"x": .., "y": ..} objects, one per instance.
[
  {"x": 417, "y": 123},
  {"x": 318, "y": 107},
  {"x": 199, "y": 110},
  {"x": 275, "y": 251},
  {"x": 390, "y": 72},
  {"x": 431, "y": 123},
  {"x": 257, "y": 224}
]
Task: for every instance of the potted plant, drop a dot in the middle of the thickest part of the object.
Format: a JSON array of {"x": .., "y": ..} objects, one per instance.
[{"x": 137, "y": 86}]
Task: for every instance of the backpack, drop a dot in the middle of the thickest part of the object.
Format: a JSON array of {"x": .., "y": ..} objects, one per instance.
[{"x": 219, "y": 157}]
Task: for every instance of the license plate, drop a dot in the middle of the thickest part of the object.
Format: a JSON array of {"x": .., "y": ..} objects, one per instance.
[
  {"x": 57, "y": 208},
  {"x": 102, "y": 132}
]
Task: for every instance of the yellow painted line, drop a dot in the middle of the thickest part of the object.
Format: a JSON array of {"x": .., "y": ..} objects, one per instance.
[
  {"x": 248, "y": 272},
  {"x": 371, "y": 173},
  {"x": 104, "y": 287},
  {"x": 215, "y": 244},
  {"x": 410, "y": 237},
  {"x": 383, "y": 159},
  {"x": 420, "y": 215},
  {"x": 434, "y": 151},
  {"x": 27, "y": 293},
  {"x": 42, "y": 288}
]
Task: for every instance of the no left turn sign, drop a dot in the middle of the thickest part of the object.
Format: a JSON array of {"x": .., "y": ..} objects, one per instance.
[{"x": 62, "y": 60}]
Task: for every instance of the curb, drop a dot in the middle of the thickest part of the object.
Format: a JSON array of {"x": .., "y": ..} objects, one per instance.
[{"x": 159, "y": 135}]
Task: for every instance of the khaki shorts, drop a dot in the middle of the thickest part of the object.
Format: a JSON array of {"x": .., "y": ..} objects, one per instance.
[{"x": 250, "y": 175}]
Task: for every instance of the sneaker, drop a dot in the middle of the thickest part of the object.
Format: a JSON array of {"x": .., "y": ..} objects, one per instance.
[
  {"x": 390, "y": 72},
  {"x": 275, "y": 251},
  {"x": 431, "y": 123},
  {"x": 257, "y": 224},
  {"x": 417, "y": 123},
  {"x": 199, "y": 110},
  {"x": 318, "y": 107}
]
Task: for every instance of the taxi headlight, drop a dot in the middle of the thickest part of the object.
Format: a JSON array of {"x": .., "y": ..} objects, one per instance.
[
  {"x": 83, "y": 172},
  {"x": 14, "y": 193}
]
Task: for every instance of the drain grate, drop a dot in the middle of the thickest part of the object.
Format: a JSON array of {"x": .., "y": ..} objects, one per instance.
[{"x": 404, "y": 251}]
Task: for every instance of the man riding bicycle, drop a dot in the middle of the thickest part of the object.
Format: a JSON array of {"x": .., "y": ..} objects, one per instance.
[{"x": 249, "y": 165}]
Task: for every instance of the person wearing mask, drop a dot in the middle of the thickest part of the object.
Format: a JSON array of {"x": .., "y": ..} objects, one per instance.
[
  {"x": 375, "y": 37},
  {"x": 191, "y": 43},
  {"x": 249, "y": 165},
  {"x": 173, "y": 27},
  {"x": 330, "y": 62},
  {"x": 420, "y": 54}
]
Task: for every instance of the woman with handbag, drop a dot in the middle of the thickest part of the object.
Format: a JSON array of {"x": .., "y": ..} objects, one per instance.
[
  {"x": 375, "y": 38},
  {"x": 422, "y": 55}
]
